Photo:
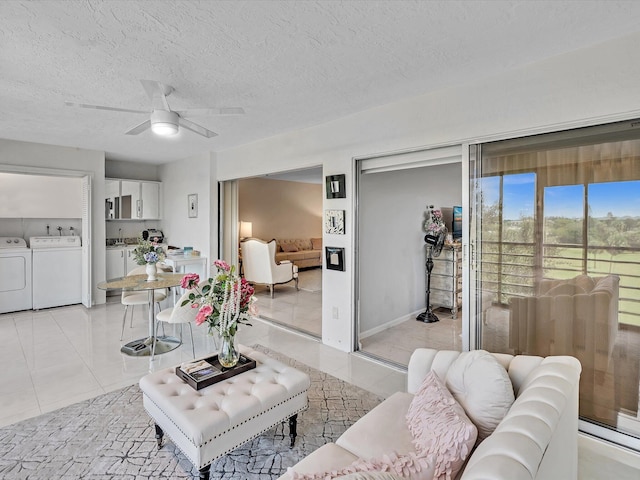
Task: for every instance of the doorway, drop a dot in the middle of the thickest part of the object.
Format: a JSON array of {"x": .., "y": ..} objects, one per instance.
[
  {"x": 286, "y": 207},
  {"x": 393, "y": 196}
]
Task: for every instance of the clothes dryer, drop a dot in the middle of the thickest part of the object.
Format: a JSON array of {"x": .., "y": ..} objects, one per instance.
[
  {"x": 15, "y": 275},
  {"x": 57, "y": 271}
]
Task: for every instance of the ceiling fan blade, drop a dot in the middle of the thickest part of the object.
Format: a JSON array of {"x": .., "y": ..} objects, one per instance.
[
  {"x": 194, "y": 127},
  {"x": 100, "y": 107},
  {"x": 157, "y": 91},
  {"x": 212, "y": 111},
  {"x": 139, "y": 128}
]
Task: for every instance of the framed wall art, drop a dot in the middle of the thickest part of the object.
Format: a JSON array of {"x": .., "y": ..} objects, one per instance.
[
  {"x": 336, "y": 186},
  {"x": 335, "y": 258},
  {"x": 334, "y": 221},
  {"x": 192, "y": 201}
]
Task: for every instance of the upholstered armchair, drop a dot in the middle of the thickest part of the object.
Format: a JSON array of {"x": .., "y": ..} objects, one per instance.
[
  {"x": 577, "y": 317},
  {"x": 259, "y": 264}
]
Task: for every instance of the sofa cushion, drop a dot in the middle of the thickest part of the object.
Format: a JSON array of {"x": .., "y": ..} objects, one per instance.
[
  {"x": 294, "y": 256},
  {"x": 301, "y": 243},
  {"x": 482, "y": 386},
  {"x": 328, "y": 457},
  {"x": 441, "y": 430},
  {"x": 363, "y": 439},
  {"x": 606, "y": 284},
  {"x": 289, "y": 247},
  {"x": 565, "y": 289},
  {"x": 371, "y": 476},
  {"x": 585, "y": 282},
  {"x": 316, "y": 243}
]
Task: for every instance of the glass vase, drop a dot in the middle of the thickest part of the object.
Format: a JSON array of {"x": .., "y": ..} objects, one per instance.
[
  {"x": 228, "y": 355},
  {"x": 152, "y": 272}
]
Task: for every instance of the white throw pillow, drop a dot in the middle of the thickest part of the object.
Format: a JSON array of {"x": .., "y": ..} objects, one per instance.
[{"x": 483, "y": 387}]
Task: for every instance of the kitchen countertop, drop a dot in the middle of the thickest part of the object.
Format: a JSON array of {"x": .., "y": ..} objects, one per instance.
[{"x": 134, "y": 244}]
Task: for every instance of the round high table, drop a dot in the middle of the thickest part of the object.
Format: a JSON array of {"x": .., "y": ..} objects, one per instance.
[{"x": 152, "y": 344}]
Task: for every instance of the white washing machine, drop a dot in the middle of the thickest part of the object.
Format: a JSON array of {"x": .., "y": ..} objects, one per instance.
[
  {"x": 57, "y": 271},
  {"x": 15, "y": 275}
]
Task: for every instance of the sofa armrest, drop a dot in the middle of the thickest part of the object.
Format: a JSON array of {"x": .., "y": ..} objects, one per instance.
[{"x": 538, "y": 438}]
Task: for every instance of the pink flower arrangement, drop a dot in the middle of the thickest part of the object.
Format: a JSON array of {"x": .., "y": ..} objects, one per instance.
[
  {"x": 190, "y": 280},
  {"x": 224, "y": 301},
  {"x": 203, "y": 314}
]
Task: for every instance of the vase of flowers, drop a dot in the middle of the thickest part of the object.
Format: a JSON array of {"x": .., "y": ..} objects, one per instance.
[
  {"x": 228, "y": 355},
  {"x": 152, "y": 269},
  {"x": 224, "y": 302},
  {"x": 148, "y": 253}
]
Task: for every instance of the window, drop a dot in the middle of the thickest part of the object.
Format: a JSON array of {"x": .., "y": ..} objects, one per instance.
[{"x": 557, "y": 247}]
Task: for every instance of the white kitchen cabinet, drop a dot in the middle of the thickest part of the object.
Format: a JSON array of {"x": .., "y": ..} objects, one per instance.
[
  {"x": 150, "y": 204},
  {"x": 130, "y": 204},
  {"x": 115, "y": 262},
  {"x": 132, "y": 199},
  {"x": 130, "y": 260},
  {"x": 112, "y": 199},
  {"x": 119, "y": 262}
]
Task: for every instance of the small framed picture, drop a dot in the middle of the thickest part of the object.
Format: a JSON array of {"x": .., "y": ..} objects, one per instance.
[
  {"x": 192, "y": 200},
  {"x": 335, "y": 186},
  {"x": 334, "y": 221},
  {"x": 335, "y": 258}
]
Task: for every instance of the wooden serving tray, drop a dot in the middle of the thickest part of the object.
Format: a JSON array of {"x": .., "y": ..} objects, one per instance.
[{"x": 203, "y": 378}]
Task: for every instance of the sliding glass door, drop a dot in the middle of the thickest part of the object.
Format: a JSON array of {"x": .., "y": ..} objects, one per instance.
[{"x": 557, "y": 258}]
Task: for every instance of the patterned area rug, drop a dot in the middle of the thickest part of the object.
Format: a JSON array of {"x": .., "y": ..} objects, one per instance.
[{"x": 112, "y": 437}]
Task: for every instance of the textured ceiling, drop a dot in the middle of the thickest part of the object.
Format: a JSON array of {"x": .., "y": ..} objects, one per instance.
[{"x": 290, "y": 64}]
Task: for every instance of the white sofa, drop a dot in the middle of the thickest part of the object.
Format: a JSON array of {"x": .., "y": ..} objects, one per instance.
[{"x": 536, "y": 439}]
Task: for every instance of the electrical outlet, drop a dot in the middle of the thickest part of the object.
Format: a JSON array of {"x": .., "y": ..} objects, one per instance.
[{"x": 335, "y": 313}]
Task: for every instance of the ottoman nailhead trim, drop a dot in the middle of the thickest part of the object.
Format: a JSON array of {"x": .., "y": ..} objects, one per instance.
[
  {"x": 228, "y": 430},
  {"x": 249, "y": 439}
]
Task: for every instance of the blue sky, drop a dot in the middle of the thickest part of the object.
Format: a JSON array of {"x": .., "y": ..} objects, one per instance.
[{"x": 620, "y": 198}]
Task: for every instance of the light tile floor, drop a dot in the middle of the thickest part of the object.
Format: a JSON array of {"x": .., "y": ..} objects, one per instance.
[
  {"x": 300, "y": 309},
  {"x": 59, "y": 356}
]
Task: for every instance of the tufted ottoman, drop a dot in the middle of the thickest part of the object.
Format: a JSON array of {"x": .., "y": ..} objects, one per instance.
[{"x": 209, "y": 423}]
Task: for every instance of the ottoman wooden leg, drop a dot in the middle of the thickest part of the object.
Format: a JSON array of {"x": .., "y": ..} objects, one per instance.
[
  {"x": 204, "y": 472},
  {"x": 293, "y": 428},
  {"x": 159, "y": 435}
]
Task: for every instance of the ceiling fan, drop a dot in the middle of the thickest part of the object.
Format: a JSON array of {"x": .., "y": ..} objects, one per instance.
[{"x": 164, "y": 121}]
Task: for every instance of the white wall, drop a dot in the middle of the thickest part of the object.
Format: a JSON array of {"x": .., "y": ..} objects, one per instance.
[
  {"x": 281, "y": 209},
  {"x": 132, "y": 170},
  {"x": 182, "y": 178},
  {"x": 23, "y": 156},
  {"x": 37, "y": 227},
  {"x": 391, "y": 215},
  {"x": 39, "y": 196},
  {"x": 578, "y": 88}
]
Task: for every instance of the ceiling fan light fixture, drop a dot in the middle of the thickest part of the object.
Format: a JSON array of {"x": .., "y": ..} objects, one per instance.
[
  {"x": 164, "y": 123},
  {"x": 164, "y": 129}
]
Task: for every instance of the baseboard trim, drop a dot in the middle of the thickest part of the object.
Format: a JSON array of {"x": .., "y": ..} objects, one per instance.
[{"x": 387, "y": 325}]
